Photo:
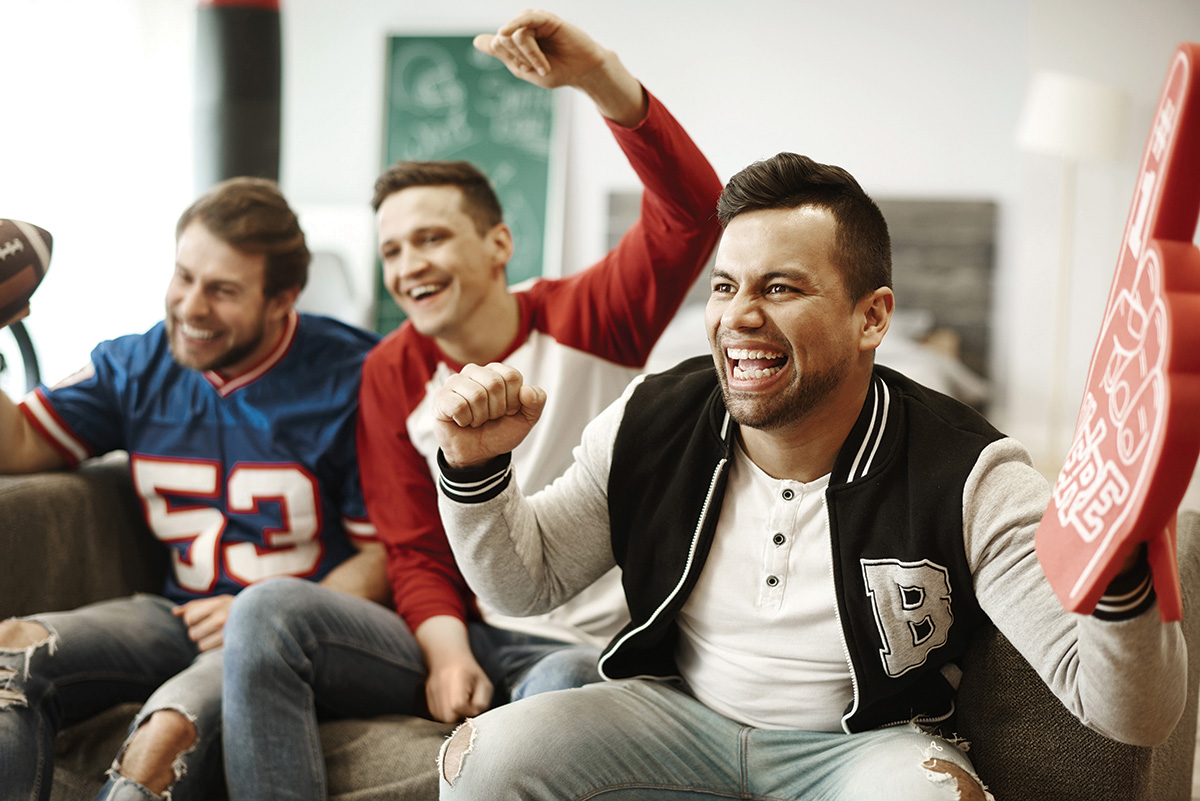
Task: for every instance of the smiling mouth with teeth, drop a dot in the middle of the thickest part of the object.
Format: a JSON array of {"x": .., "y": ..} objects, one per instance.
[
  {"x": 425, "y": 290},
  {"x": 196, "y": 333},
  {"x": 752, "y": 364}
]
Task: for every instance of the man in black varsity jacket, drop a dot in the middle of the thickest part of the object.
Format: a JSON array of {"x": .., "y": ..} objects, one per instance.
[{"x": 807, "y": 541}]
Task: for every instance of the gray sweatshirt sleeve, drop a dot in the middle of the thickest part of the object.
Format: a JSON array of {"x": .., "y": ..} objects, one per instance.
[
  {"x": 1127, "y": 678},
  {"x": 527, "y": 556}
]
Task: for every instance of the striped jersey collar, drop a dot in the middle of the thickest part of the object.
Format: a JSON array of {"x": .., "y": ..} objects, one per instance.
[{"x": 228, "y": 384}]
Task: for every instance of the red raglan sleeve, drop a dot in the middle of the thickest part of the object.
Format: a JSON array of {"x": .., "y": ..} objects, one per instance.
[
  {"x": 619, "y": 307},
  {"x": 401, "y": 495}
]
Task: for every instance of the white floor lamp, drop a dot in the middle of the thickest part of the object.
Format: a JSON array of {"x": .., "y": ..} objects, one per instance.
[{"x": 1075, "y": 120}]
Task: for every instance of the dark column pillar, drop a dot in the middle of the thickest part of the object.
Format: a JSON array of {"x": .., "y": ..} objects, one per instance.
[{"x": 237, "y": 90}]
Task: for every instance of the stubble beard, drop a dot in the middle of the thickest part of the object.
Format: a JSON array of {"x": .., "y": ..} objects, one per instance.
[
  {"x": 787, "y": 406},
  {"x": 221, "y": 361}
]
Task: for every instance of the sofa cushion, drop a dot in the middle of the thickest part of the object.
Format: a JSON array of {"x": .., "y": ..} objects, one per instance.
[
  {"x": 1003, "y": 708},
  {"x": 388, "y": 757},
  {"x": 72, "y": 537}
]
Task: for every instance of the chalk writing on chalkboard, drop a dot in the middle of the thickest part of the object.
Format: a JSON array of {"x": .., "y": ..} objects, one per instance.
[{"x": 446, "y": 100}]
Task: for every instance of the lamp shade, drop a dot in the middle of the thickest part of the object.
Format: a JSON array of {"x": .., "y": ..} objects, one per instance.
[{"x": 1074, "y": 118}]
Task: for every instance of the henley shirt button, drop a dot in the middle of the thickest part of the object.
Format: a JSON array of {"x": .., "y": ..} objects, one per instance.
[
  {"x": 788, "y": 494},
  {"x": 779, "y": 539},
  {"x": 772, "y": 581}
]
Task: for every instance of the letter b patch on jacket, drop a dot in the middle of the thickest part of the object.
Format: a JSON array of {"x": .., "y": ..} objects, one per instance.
[{"x": 912, "y": 610}]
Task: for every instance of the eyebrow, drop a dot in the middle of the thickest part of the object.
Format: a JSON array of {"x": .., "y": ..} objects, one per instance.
[
  {"x": 427, "y": 228},
  {"x": 792, "y": 275},
  {"x": 421, "y": 231},
  {"x": 213, "y": 282}
]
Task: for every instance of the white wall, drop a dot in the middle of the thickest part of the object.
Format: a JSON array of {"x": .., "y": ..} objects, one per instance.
[
  {"x": 914, "y": 98},
  {"x": 1127, "y": 46}
]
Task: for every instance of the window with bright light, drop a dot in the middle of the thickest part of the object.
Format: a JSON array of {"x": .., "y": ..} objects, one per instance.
[{"x": 96, "y": 147}]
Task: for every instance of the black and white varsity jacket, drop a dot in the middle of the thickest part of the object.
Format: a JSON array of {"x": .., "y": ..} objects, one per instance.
[{"x": 910, "y": 537}]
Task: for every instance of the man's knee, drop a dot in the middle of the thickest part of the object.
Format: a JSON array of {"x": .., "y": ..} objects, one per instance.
[
  {"x": 17, "y": 635},
  {"x": 454, "y": 750},
  {"x": 943, "y": 766},
  {"x": 260, "y": 607},
  {"x": 153, "y": 756},
  {"x": 167, "y": 726},
  {"x": 486, "y": 752},
  {"x": 20, "y": 638},
  {"x": 953, "y": 776}
]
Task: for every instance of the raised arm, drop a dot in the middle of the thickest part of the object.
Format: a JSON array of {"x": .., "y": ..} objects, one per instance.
[
  {"x": 619, "y": 307},
  {"x": 1121, "y": 671},
  {"x": 527, "y": 556}
]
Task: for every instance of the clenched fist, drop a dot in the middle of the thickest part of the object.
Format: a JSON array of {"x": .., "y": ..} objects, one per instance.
[{"x": 484, "y": 412}]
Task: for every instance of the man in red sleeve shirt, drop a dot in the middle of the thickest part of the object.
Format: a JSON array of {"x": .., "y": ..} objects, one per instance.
[{"x": 444, "y": 247}]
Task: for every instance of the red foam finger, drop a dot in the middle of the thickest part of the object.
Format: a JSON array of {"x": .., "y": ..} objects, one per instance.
[{"x": 1138, "y": 432}]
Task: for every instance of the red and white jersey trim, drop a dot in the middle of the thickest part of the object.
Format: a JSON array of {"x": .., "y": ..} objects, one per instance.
[
  {"x": 53, "y": 428},
  {"x": 225, "y": 386},
  {"x": 360, "y": 529}
]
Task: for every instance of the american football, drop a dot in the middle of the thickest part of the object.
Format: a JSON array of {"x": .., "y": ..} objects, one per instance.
[{"x": 24, "y": 259}]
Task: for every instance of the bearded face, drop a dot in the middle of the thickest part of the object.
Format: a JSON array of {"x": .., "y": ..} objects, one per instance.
[{"x": 784, "y": 333}]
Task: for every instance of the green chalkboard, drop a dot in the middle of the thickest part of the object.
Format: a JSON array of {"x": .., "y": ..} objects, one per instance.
[{"x": 446, "y": 100}]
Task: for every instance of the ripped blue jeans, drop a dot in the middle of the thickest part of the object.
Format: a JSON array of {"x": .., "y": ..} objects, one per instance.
[
  {"x": 130, "y": 649},
  {"x": 643, "y": 740},
  {"x": 296, "y": 651}
]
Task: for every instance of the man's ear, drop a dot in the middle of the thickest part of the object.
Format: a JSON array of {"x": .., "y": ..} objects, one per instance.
[
  {"x": 279, "y": 304},
  {"x": 500, "y": 240},
  {"x": 876, "y": 314}
]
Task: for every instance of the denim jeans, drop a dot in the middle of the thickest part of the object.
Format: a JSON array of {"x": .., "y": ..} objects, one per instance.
[
  {"x": 130, "y": 649},
  {"x": 296, "y": 652},
  {"x": 641, "y": 739}
]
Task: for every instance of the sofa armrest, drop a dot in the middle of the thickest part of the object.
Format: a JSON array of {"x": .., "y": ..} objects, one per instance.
[
  {"x": 74, "y": 537},
  {"x": 1026, "y": 746}
]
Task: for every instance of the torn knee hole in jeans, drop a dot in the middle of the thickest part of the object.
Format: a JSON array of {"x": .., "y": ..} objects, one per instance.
[
  {"x": 967, "y": 785},
  {"x": 454, "y": 751},
  {"x": 178, "y": 767},
  {"x": 15, "y": 697},
  {"x": 9, "y": 696}
]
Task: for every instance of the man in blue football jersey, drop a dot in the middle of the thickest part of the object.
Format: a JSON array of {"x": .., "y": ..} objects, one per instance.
[{"x": 238, "y": 414}]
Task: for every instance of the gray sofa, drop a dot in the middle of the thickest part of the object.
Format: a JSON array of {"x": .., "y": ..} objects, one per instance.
[{"x": 69, "y": 538}]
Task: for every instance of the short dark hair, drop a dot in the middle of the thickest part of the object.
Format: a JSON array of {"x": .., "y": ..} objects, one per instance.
[
  {"x": 863, "y": 249},
  {"x": 479, "y": 201},
  {"x": 251, "y": 215}
]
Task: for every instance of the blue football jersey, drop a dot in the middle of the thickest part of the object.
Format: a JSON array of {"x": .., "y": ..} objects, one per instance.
[{"x": 243, "y": 478}]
